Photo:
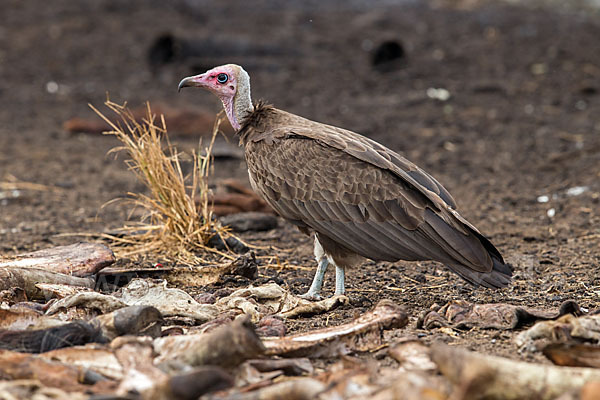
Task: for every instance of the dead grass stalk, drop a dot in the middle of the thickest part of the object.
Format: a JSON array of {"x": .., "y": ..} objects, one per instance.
[{"x": 177, "y": 222}]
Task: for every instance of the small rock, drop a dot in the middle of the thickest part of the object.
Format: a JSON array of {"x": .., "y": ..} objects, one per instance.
[
  {"x": 199, "y": 381},
  {"x": 543, "y": 199},
  {"x": 250, "y": 221},
  {"x": 577, "y": 190},
  {"x": 271, "y": 326},
  {"x": 440, "y": 94},
  {"x": 230, "y": 243},
  {"x": 245, "y": 266}
]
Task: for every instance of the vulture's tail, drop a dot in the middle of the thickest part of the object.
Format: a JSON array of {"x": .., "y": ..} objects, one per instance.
[
  {"x": 498, "y": 277},
  {"x": 466, "y": 254}
]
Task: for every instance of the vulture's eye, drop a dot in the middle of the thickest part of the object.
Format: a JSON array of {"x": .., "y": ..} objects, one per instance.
[{"x": 222, "y": 78}]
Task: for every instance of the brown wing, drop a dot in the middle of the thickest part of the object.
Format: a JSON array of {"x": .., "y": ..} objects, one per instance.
[{"x": 365, "y": 197}]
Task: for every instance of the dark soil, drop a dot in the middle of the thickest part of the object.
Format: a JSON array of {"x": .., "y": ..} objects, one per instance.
[{"x": 522, "y": 121}]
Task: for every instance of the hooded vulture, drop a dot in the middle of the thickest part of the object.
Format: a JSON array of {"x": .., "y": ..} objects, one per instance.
[{"x": 359, "y": 198}]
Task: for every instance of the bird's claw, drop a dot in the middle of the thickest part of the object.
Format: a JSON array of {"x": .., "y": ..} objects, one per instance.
[{"x": 311, "y": 296}]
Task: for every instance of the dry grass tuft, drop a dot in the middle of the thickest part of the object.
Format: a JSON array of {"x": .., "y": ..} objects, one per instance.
[{"x": 175, "y": 226}]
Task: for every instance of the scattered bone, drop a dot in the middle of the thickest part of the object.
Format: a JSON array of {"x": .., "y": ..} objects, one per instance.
[
  {"x": 54, "y": 290},
  {"x": 119, "y": 276},
  {"x": 124, "y": 320},
  {"x": 245, "y": 265},
  {"x": 25, "y": 389},
  {"x": 271, "y": 298},
  {"x": 224, "y": 318},
  {"x": 361, "y": 334},
  {"x": 478, "y": 376},
  {"x": 143, "y": 377},
  {"x": 271, "y": 326},
  {"x": 79, "y": 259},
  {"x": 134, "y": 320},
  {"x": 414, "y": 385},
  {"x": 88, "y": 300},
  {"x": 140, "y": 374},
  {"x": 289, "y": 366},
  {"x": 412, "y": 355},
  {"x": 75, "y": 314},
  {"x": 251, "y": 378},
  {"x": 198, "y": 382},
  {"x": 355, "y": 379},
  {"x": 294, "y": 389},
  {"x": 14, "y": 366},
  {"x": 29, "y": 306},
  {"x": 28, "y": 278},
  {"x": 356, "y": 386},
  {"x": 12, "y": 295},
  {"x": 590, "y": 391},
  {"x": 299, "y": 307},
  {"x": 352, "y": 378},
  {"x": 460, "y": 314},
  {"x": 563, "y": 329},
  {"x": 188, "y": 276},
  {"x": 161, "y": 368},
  {"x": 22, "y": 319},
  {"x": 226, "y": 346},
  {"x": 169, "y": 301},
  {"x": 173, "y": 331},
  {"x": 91, "y": 356},
  {"x": 270, "y": 291},
  {"x": 573, "y": 355},
  {"x": 586, "y": 327},
  {"x": 254, "y": 301}
]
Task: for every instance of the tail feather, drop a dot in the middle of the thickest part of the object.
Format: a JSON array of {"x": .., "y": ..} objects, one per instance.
[
  {"x": 501, "y": 272},
  {"x": 467, "y": 255},
  {"x": 498, "y": 277}
]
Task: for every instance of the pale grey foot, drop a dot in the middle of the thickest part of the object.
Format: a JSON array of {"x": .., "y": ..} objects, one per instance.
[
  {"x": 339, "y": 281},
  {"x": 317, "y": 283}
]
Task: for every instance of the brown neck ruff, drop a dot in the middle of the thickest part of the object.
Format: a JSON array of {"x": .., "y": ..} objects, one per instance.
[{"x": 256, "y": 121}]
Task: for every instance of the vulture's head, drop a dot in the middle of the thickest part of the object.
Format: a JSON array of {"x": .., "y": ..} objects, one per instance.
[{"x": 231, "y": 84}]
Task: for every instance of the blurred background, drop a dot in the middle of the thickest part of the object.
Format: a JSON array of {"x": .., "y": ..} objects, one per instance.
[{"x": 499, "y": 100}]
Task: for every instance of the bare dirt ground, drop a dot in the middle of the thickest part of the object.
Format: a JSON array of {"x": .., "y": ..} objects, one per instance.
[{"x": 522, "y": 121}]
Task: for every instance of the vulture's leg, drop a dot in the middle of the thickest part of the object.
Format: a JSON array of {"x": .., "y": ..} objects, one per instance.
[
  {"x": 340, "y": 273},
  {"x": 317, "y": 283}
]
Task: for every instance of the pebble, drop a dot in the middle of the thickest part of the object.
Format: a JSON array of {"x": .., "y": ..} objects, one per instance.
[{"x": 250, "y": 221}]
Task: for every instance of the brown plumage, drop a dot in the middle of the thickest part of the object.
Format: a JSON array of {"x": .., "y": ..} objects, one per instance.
[{"x": 360, "y": 198}]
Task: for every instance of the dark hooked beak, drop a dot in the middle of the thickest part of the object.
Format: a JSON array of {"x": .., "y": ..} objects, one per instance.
[{"x": 191, "y": 81}]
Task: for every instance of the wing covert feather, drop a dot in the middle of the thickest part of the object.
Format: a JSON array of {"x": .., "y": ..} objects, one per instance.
[{"x": 370, "y": 210}]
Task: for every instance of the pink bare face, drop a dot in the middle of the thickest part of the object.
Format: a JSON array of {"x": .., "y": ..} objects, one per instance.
[
  {"x": 225, "y": 81},
  {"x": 222, "y": 81}
]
